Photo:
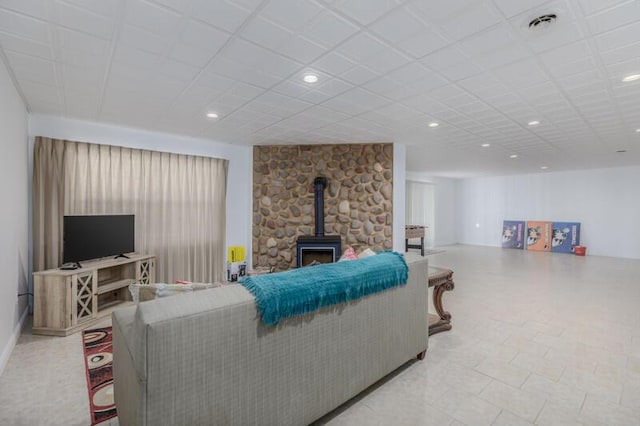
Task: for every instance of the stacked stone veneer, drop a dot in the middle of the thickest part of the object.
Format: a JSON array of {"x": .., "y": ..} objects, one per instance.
[{"x": 358, "y": 198}]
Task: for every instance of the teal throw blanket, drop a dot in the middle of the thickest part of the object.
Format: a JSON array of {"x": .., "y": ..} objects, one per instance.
[{"x": 305, "y": 290}]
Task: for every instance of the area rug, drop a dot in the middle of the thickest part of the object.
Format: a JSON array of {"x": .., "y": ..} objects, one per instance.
[{"x": 98, "y": 360}]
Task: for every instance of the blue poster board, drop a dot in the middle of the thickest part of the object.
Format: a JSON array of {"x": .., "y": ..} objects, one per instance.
[
  {"x": 513, "y": 234},
  {"x": 565, "y": 236}
]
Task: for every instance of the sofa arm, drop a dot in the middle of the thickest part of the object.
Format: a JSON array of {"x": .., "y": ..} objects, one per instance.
[{"x": 128, "y": 383}]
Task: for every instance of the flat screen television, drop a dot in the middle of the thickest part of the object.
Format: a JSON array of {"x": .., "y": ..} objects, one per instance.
[{"x": 95, "y": 236}]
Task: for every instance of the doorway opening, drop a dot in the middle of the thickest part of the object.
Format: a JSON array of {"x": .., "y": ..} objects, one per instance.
[{"x": 420, "y": 208}]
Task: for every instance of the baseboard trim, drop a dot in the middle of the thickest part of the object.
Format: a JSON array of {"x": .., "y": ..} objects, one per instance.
[{"x": 6, "y": 352}]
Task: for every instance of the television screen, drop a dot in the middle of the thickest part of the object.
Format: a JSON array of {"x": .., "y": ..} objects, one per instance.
[{"x": 92, "y": 237}]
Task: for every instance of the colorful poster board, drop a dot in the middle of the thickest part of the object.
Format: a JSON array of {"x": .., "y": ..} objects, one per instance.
[
  {"x": 513, "y": 234},
  {"x": 538, "y": 236},
  {"x": 565, "y": 236}
]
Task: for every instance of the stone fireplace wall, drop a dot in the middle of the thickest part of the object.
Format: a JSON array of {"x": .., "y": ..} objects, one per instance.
[{"x": 358, "y": 198}]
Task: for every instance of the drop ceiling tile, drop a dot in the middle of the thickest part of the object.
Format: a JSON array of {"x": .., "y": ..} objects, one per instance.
[
  {"x": 10, "y": 42},
  {"x": 618, "y": 37},
  {"x": 246, "y": 91},
  {"x": 590, "y": 7},
  {"x": 153, "y": 18},
  {"x": 86, "y": 60},
  {"x": 334, "y": 86},
  {"x": 40, "y": 93},
  {"x": 301, "y": 49},
  {"x": 203, "y": 36},
  {"x": 621, "y": 69},
  {"x": 329, "y": 29},
  {"x": 85, "y": 21},
  {"x": 365, "y": 11},
  {"x": 291, "y": 89},
  {"x": 366, "y": 98},
  {"x": 498, "y": 58},
  {"x": 74, "y": 77},
  {"x": 387, "y": 60},
  {"x": 472, "y": 19},
  {"x": 265, "y": 33},
  {"x": 452, "y": 63},
  {"x": 315, "y": 97},
  {"x": 106, "y": 8},
  {"x": 511, "y": 8},
  {"x": 245, "y": 53},
  {"x": 177, "y": 5},
  {"x": 438, "y": 12},
  {"x": 563, "y": 33},
  {"x": 75, "y": 41},
  {"x": 522, "y": 74},
  {"x": 33, "y": 68},
  {"x": 291, "y": 14},
  {"x": 621, "y": 55},
  {"x": 624, "y": 13},
  {"x": 33, "y": 8},
  {"x": 423, "y": 43},
  {"x": 178, "y": 70},
  {"x": 190, "y": 55},
  {"x": 359, "y": 75},
  {"x": 340, "y": 104},
  {"x": 136, "y": 58},
  {"x": 257, "y": 78},
  {"x": 333, "y": 63},
  {"x": 24, "y": 26},
  {"x": 143, "y": 40},
  {"x": 360, "y": 47},
  {"x": 228, "y": 15},
  {"x": 410, "y": 73},
  {"x": 397, "y": 25},
  {"x": 570, "y": 52},
  {"x": 279, "y": 66}
]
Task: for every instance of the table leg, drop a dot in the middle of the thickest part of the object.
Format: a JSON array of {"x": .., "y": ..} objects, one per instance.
[{"x": 442, "y": 321}]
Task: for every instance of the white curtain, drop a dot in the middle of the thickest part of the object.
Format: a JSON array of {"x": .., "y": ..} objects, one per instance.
[
  {"x": 178, "y": 202},
  {"x": 420, "y": 207}
]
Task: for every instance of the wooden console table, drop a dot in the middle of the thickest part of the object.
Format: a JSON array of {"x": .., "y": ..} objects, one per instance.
[
  {"x": 441, "y": 280},
  {"x": 65, "y": 301}
]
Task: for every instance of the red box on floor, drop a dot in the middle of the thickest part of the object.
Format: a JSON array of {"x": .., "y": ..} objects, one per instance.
[{"x": 538, "y": 236}]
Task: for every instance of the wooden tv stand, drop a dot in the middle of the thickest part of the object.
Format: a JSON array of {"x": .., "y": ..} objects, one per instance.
[{"x": 65, "y": 301}]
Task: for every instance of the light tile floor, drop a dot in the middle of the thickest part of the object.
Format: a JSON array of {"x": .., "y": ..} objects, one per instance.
[{"x": 538, "y": 338}]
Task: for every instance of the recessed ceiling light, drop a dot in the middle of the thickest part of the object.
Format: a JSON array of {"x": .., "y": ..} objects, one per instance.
[
  {"x": 310, "y": 78},
  {"x": 212, "y": 115},
  {"x": 544, "y": 167},
  {"x": 637, "y": 130},
  {"x": 485, "y": 145},
  {"x": 632, "y": 77},
  {"x": 434, "y": 124},
  {"x": 513, "y": 156},
  {"x": 533, "y": 123}
]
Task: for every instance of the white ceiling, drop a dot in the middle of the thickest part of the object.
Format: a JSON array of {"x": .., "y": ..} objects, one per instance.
[{"x": 386, "y": 69}]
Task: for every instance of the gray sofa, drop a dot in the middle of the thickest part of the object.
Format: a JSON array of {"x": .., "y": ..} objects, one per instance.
[{"x": 205, "y": 358}]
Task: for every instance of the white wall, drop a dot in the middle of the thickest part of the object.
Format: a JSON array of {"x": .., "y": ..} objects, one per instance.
[
  {"x": 14, "y": 191},
  {"x": 444, "y": 226},
  {"x": 605, "y": 201},
  {"x": 239, "y": 201},
  {"x": 399, "y": 200}
]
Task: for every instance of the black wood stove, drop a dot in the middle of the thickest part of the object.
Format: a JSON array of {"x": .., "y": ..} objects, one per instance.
[{"x": 319, "y": 247}]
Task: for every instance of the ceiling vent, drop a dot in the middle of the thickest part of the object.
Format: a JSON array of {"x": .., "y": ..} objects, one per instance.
[{"x": 542, "y": 22}]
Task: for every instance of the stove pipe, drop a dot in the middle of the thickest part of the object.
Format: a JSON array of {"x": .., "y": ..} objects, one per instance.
[{"x": 320, "y": 183}]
